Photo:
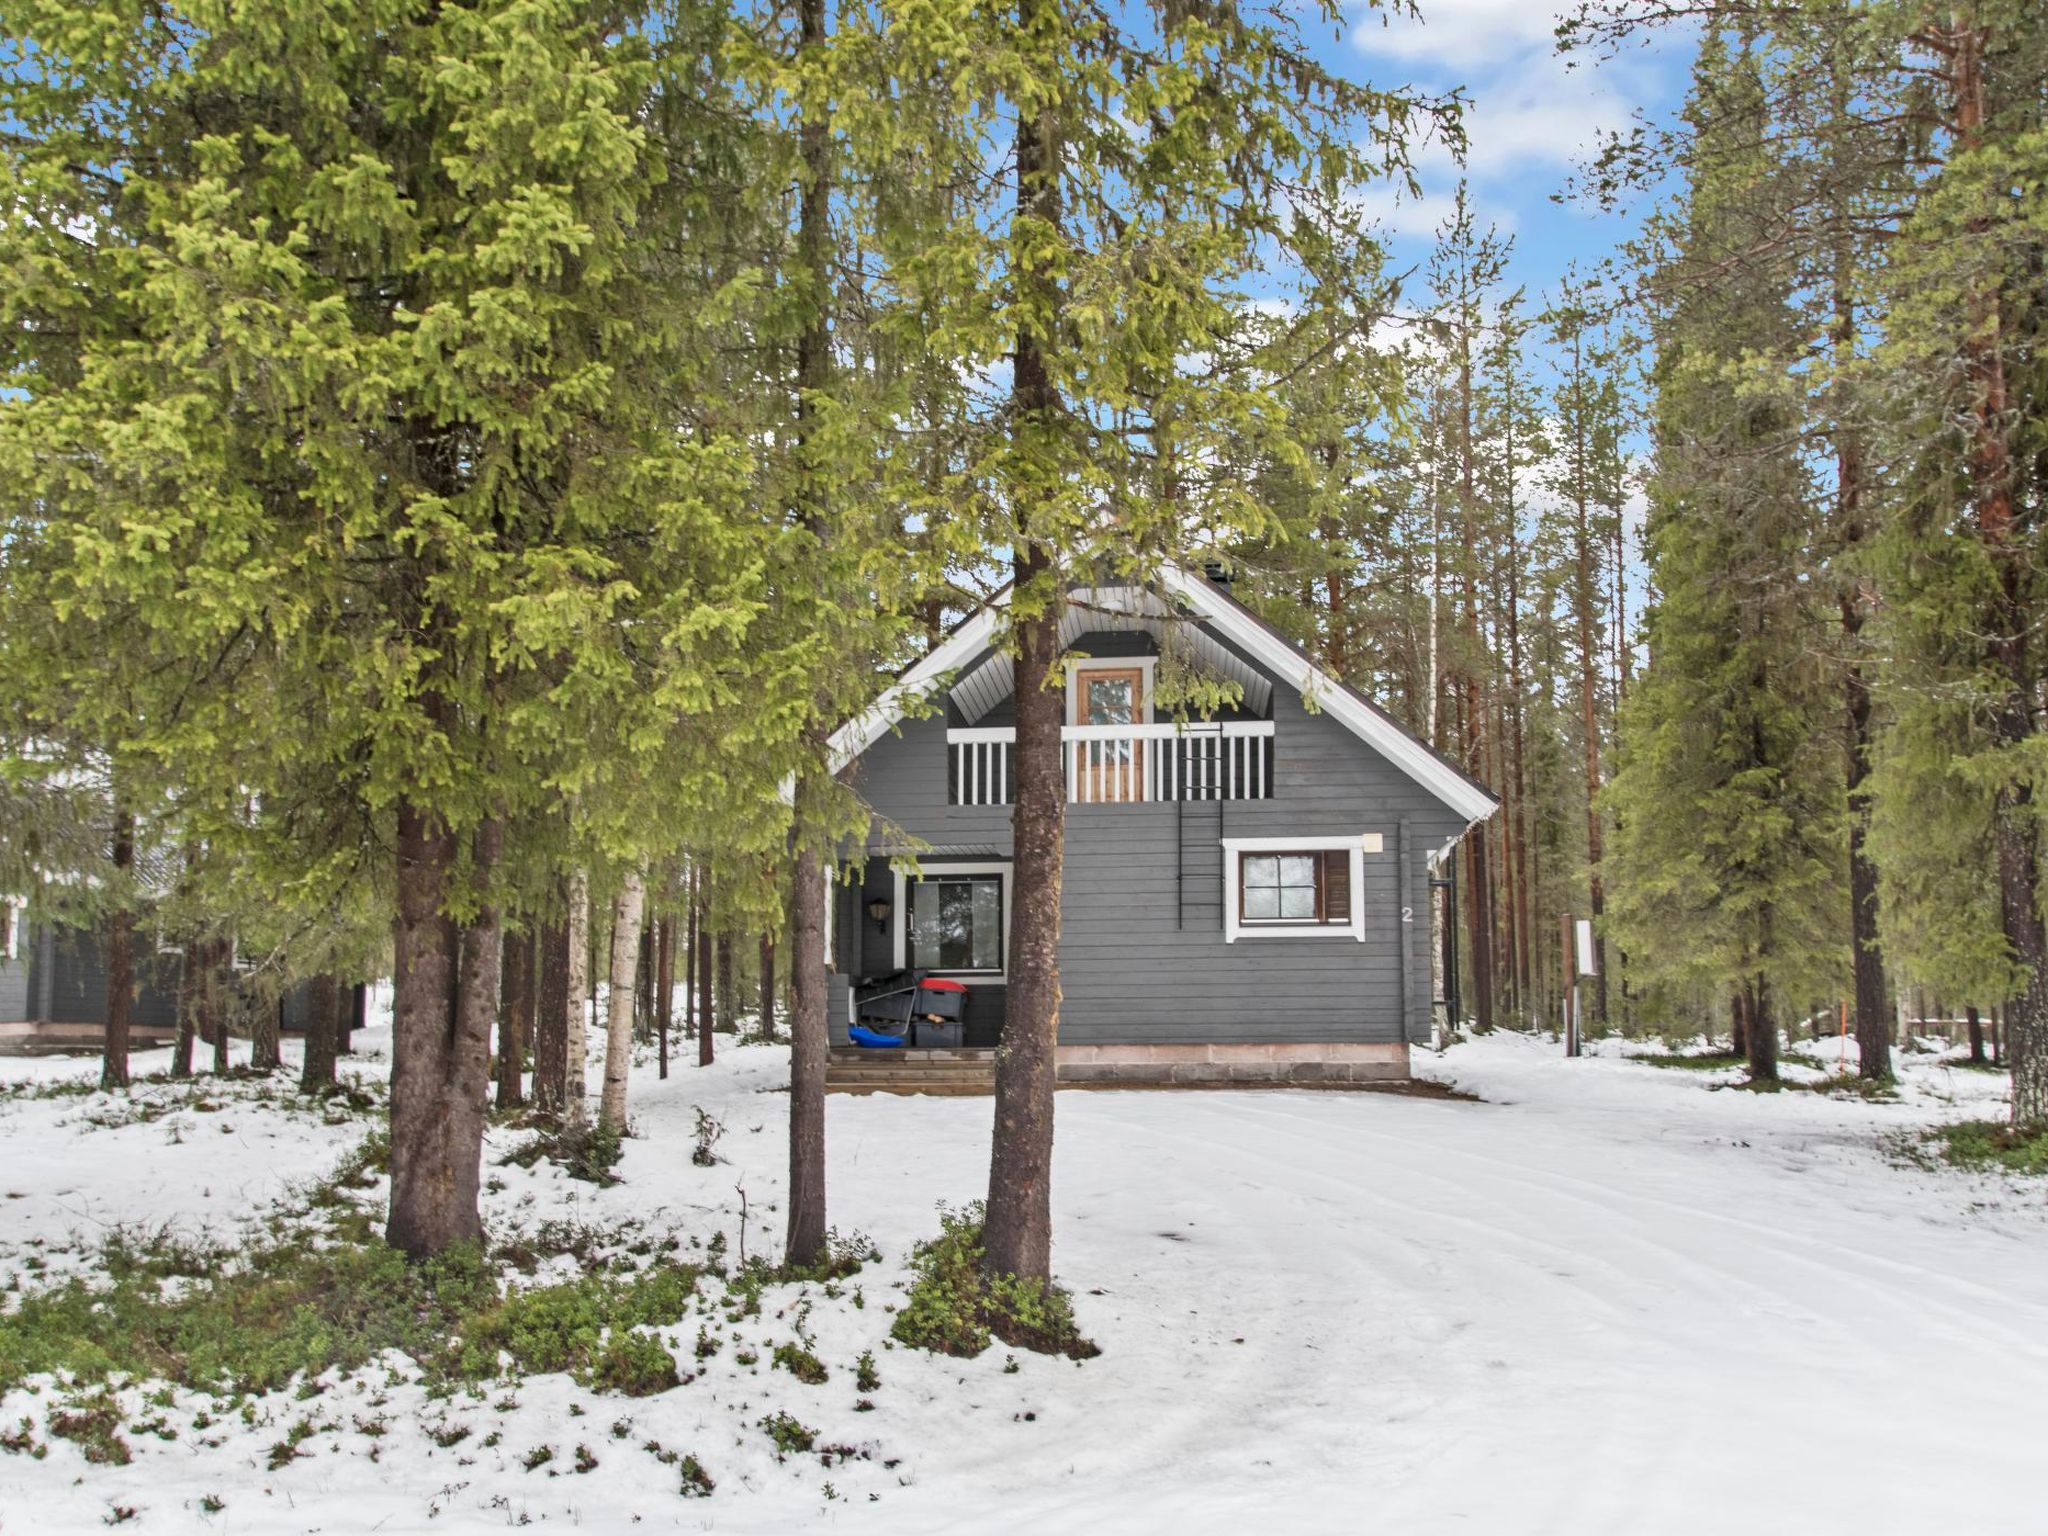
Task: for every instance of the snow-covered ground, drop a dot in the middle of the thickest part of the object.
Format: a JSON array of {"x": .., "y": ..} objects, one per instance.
[{"x": 1604, "y": 1297}]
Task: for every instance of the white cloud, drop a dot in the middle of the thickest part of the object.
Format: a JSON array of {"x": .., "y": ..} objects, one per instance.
[{"x": 1458, "y": 34}]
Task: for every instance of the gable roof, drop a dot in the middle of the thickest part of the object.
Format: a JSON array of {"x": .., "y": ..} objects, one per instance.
[{"x": 1240, "y": 627}]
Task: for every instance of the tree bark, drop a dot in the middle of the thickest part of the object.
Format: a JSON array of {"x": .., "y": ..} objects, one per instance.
[
  {"x": 220, "y": 978},
  {"x": 120, "y": 958},
  {"x": 575, "y": 1024},
  {"x": 1017, "y": 1238},
  {"x": 323, "y": 1029},
  {"x": 707, "y": 1018},
  {"x": 1761, "y": 1030},
  {"x": 728, "y": 1000},
  {"x": 191, "y": 982},
  {"x": 767, "y": 959},
  {"x": 266, "y": 1036},
  {"x": 1017, "y": 1235},
  {"x": 1976, "y": 1036},
  {"x": 551, "y": 1021},
  {"x": 809, "y": 1049},
  {"x": 1738, "y": 1025},
  {"x": 440, "y": 1040},
  {"x": 692, "y": 956},
  {"x": 618, "y": 1042},
  {"x": 664, "y": 985},
  {"x": 515, "y": 1018}
]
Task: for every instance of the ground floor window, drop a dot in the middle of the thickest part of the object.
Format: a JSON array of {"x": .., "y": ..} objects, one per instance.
[
  {"x": 1307, "y": 886},
  {"x": 1285, "y": 887},
  {"x": 956, "y": 922}
]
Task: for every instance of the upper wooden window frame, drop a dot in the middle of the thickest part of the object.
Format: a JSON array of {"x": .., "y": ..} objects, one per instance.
[{"x": 1235, "y": 925}]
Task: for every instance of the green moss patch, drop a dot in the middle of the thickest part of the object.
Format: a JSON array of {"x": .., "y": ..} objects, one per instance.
[
  {"x": 1992, "y": 1144},
  {"x": 333, "y": 1296},
  {"x": 954, "y": 1308}
]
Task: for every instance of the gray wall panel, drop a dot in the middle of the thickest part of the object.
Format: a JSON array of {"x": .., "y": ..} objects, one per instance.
[{"x": 1143, "y": 957}]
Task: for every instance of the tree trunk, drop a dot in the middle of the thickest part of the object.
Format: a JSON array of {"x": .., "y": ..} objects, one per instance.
[
  {"x": 1761, "y": 1029},
  {"x": 445, "y": 991},
  {"x": 1976, "y": 1036},
  {"x": 1738, "y": 1025},
  {"x": 728, "y": 1000},
  {"x": 618, "y": 1041},
  {"x": 1017, "y": 1239},
  {"x": 120, "y": 959},
  {"x": 692, "y": 955},
  {"x": 266, "y": 1036},
  {"x": 809, "y": 1048},
  {"x": 551, "y": 1021},
  {"x": 220, "y": 977},
  {"x": 575, "y": 1020},
  {"x": 1873, "y": 1036},
  {"x": 707, "y": 1018},
  {"x": 767, "y": 986},
  {"x": 664, "y": 985},
  {"x": 323, "y": 1028},
  {"x": 354, "y": 1015},
  {"x": 191, "y": 986},
  {"x": 515, "y": 1018}
]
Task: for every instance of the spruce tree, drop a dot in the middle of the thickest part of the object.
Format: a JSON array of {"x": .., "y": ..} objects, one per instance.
[
  {"x": 1728, "y": 798},
  {"x": 395, "y": 420}
]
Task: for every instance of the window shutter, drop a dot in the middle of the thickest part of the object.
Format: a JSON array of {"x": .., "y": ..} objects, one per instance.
[{"x": 1336, "y": 885}]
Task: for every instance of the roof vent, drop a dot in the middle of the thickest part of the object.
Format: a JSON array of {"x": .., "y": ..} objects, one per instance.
[{"x": 1218, "y": 573}]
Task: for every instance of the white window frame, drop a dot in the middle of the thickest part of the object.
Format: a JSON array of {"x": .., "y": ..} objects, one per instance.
[
  {"x": 899, "y": 914},
  {"x": 1359, "y": 845},
  {"x": 1076, "y": 665}
]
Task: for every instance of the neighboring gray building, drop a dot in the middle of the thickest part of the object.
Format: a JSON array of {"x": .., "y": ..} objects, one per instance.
[
  {"x": 1245, "y": 898},
  {"x": 53, "y": 987}
]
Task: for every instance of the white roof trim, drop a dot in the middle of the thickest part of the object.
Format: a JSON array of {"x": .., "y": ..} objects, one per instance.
[
  {"x": 1375, "y": 729},
  {"x": 957, "y": 649},
  {"x": 1264, "y": 647}
]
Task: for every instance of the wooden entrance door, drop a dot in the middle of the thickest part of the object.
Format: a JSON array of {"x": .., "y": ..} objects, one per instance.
[{"x": 1113, "y": 769}]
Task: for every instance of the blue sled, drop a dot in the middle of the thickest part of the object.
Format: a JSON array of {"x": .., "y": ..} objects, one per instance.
[{"x": 873, "y": 1040}]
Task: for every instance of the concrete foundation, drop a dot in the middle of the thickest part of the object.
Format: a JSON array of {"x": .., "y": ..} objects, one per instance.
[{"x": 1311, "y": 1063}]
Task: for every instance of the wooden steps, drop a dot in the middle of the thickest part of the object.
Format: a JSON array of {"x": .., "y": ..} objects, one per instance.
[{"x": 964, "y": 1071}]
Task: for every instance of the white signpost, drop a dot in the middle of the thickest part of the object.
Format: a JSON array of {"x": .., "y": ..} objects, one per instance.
[{"x": 1581, "y": 960}]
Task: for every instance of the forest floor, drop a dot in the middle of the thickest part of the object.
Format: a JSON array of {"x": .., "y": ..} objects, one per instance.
[{"x": 1604, "y": 1297}]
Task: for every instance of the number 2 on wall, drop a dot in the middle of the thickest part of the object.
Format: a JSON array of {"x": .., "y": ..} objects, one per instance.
[{"x": 1407, "y": 914}]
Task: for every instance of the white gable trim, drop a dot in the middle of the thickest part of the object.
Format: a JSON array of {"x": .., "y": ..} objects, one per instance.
[
  {"x": 880, "y": 717},
  {"x": 1339, "y": 703}
]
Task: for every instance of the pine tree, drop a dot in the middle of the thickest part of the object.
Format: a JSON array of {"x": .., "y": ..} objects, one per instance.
[{"x": 1728, "y": 802}]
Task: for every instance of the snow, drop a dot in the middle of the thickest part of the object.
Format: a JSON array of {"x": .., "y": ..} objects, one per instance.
[{"x": 1602, "y": 1296}]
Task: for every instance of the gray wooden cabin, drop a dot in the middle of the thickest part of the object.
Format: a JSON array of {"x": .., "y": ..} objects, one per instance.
[
  {"x": 1246, "y": 898},
  {"x": 53, "y": 989}
]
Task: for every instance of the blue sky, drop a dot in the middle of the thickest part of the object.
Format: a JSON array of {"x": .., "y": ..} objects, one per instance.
[{"x": 1531, "y": 114}]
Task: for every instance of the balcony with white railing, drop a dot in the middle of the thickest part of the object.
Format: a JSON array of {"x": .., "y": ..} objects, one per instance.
[{"x": 1122, "y": 764}]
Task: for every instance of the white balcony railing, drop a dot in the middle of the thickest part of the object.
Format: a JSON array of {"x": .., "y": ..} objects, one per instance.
[{"x": 1114, "y": 764}]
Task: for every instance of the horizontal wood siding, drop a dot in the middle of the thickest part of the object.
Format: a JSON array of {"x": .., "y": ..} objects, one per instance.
[
  {"x": 77, "y": 981},
  {"x": 903, "y": 778},
  {"x": 1142, "y": 954},
  {"x": 14, "y": 994}
]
